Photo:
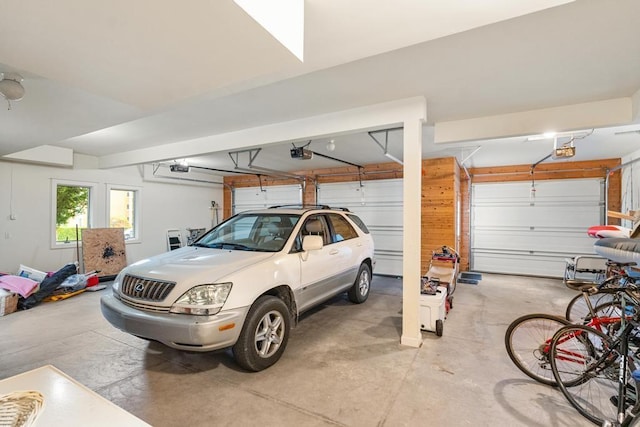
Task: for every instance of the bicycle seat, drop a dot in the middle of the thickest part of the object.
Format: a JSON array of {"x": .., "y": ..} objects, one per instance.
[{"x": 580, "y": 285}]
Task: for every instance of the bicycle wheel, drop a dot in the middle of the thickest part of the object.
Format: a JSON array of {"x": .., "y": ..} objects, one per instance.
[
  {"x": 607, "y": 319},
  {"x": 586, "y": 365},
  {"x": 527, "y": 342},
  {"x": 577, "y": 309}
]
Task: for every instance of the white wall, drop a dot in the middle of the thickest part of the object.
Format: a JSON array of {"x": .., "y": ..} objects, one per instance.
[
  {"x": 630, "y": 185},
  {"x": 25, "y": 191}
]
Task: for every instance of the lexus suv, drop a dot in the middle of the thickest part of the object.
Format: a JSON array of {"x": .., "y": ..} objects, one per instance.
[{"x": 245, "y": 282}]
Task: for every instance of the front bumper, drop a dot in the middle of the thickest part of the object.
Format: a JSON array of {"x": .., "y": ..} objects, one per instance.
[{"x": 179, "y": 331}]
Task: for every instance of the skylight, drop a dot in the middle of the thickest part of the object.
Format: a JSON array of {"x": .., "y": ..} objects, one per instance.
[{"x": 284, "y": 19}]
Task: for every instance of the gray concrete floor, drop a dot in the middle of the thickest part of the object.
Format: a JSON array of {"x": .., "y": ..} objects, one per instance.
[{"x": 344, "y": 364}]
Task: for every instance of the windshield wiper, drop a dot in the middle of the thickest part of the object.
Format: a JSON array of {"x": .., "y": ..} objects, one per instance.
[
  {"x": 236, "y": 247},
  {"x": 223, "y": 245}
]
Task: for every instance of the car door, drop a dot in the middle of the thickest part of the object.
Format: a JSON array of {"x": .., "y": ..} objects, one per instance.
[
  {"x": 318, "y": 268},
  {"x": 345, "y": 248}
]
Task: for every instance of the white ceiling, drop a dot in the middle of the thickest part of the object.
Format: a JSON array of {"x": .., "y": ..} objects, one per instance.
[{"x": 105, "y": 78}]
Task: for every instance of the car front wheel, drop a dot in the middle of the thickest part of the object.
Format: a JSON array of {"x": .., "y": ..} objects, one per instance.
[
  {"x": 359, "y": 292},
  {"x": 264, "y": 335}
]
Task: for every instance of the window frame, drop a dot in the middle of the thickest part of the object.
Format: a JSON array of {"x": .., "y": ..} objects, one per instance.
[
  {"x": 137, "y": 209},
  {"x": 91, "y": 209}
]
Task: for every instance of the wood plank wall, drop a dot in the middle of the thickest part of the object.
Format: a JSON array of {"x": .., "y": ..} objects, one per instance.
[
  {"x": 465, "y": 215},
  {"x": 440, "y": 189}
]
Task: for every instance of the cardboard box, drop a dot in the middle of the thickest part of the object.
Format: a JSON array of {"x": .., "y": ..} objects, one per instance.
[{"x": 8, "y": 303}]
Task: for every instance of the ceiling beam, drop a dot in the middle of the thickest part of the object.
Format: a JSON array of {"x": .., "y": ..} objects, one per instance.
[
  {"x": 589, "y": 115},
  {"x": 356, "y": 119}
]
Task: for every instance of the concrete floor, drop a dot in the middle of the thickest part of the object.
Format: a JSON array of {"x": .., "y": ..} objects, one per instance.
[{"x": 343, "y": 364}]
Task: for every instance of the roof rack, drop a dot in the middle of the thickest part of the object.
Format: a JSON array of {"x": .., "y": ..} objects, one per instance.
[{"x": 299, "y": 206}]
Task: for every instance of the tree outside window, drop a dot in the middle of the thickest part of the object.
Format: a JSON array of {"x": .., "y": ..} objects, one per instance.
[{"x": 72, "y": 209}]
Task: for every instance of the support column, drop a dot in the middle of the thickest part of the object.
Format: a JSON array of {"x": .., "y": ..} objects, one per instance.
[{"x": 411, "y": 236}]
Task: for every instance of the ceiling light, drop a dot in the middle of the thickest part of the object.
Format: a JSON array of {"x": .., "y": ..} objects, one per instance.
[
  {"x": 11, "y": 87},
  {"x": 331, "y": 145},
  {"x": 577, "y": 134}
]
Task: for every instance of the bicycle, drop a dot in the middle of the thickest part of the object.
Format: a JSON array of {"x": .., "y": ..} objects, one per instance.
[
  {"x": 617, "y": 276},
  {"x": 528, "y": 338},
  {"x": 596, "y": 372}
]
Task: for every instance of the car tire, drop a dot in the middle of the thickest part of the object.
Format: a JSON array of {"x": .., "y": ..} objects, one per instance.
[
  {"x": 359, "y": 292},
  {"x": 264, "y": 335}
]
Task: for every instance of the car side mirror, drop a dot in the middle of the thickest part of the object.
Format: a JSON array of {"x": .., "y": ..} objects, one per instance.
[{"x": 312, "y": 243}]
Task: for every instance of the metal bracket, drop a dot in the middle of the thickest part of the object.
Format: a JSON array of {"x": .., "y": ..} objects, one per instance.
[{"x": 385, "y": 147}]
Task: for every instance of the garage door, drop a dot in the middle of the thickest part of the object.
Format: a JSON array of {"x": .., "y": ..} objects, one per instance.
[
  {"x": 379, "y": 204},
  {"x": 516, "y": 233},
  {"x": 248, "y": 198}
]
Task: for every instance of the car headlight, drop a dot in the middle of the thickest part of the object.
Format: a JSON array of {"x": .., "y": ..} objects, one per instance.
[{"x": 202, "y": 300}]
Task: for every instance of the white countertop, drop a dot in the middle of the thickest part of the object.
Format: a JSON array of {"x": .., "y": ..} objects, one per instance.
[{"x": 67, "y": 402}]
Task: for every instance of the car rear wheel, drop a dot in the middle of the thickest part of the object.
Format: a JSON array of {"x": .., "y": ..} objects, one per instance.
[
  {"x": 359, "y": 292},
  {"x": 264, "y": 335}
]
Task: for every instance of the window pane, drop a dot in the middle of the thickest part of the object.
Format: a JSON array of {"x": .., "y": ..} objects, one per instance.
[
  {"x": 122, "y": 211},
  {"x": 342, "y": 229},
  {"x": 359, "y": 223},
  {"x": 72, "y": 209}
]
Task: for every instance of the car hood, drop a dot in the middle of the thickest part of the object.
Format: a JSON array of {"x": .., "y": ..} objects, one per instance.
[{"x": 193, "y": 265}]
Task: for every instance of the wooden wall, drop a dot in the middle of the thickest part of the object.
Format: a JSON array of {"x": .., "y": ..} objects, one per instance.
[
  {"x": 440, "y": 189},
  {"x": 465, "y": 217}
]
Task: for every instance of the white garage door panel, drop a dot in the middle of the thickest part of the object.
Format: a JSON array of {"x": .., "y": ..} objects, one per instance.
[
  {"x": 249, "y": 198},
  {"x": 537, "y": 241},
  {"x": 510, "y": 263},
  {"x": 513, "y": 232},
  {"x": 379, "y": 204},
  {"x": 541, "y": 214}
]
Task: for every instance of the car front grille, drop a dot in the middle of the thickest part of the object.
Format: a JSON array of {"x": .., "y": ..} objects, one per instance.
[{"x": 145, "y": 289}]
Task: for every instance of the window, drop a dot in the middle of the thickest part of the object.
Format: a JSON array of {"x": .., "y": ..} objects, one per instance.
[
  {"x": 124, "y": 210},
  {"x": 341, "y": 228},
  {"x": 72, "y": 211},
  {"x": 316, "y": 225},
  {"x": 356, "y": 219},
  {"x": 251, "y": 232}
]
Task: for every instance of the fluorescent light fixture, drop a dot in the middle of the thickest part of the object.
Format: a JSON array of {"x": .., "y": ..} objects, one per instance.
[
  {"x": 555, "y": 135},
  {"x": 283, "y": 19}
]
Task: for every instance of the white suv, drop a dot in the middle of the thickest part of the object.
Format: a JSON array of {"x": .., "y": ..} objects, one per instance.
[{"x": 245, "y": 282}]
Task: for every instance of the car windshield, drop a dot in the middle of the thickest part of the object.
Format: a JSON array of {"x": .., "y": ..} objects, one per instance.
[{"x": 263, "y": 232}]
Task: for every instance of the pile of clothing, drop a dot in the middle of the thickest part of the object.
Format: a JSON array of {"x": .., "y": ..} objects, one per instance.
[{"x": 35, "y": 286}]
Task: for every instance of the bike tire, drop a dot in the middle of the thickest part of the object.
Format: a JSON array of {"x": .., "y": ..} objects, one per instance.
[
  {"x": 613, "y": 312},
  {"x": 577, "y": 309},
  {"x": 525, "y": 341},
  {"x": 586, "y": 365}
]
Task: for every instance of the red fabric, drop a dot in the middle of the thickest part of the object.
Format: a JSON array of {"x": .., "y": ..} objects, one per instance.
[{"x": 603, "y": 231}]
